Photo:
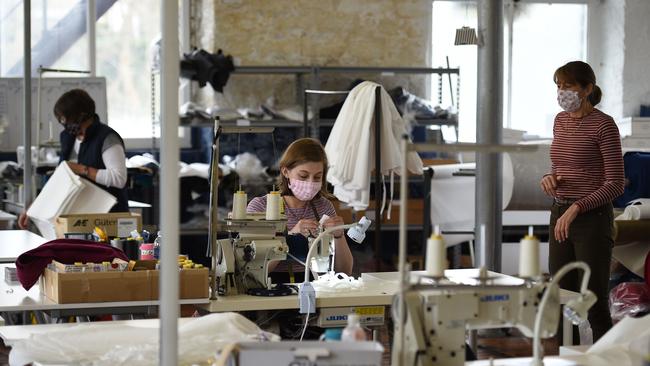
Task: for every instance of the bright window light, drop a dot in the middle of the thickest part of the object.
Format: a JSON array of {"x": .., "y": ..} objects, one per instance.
[
  {"x": 535, "y": 56},
  {"x": 125, "y": 35}
]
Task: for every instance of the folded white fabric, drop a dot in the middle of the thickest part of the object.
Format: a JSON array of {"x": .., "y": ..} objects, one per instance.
[{"x": 351, "y": 145}]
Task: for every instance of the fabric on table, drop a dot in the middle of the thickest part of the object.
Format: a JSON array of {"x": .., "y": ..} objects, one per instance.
[{"x": 31, "y": 264}]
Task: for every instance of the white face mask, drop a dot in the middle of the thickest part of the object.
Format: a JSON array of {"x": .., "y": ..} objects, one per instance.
[{"x": 569, "y": 100}]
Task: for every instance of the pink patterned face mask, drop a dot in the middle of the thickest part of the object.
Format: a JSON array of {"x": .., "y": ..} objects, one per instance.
[
  {"x": 569, "y": 100},
  {"x": 304, "y": 190}
]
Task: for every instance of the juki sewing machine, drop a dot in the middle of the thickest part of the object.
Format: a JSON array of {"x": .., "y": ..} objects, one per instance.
[
  {"x": 438, "y": 315},
  {"x": 243, "y": 267}
]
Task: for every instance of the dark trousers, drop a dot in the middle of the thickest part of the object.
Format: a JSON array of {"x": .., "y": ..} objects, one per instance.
[{"x": 591, "y": 237}]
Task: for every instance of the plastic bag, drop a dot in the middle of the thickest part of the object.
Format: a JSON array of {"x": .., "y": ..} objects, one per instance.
[{"x": 629, "y": 299}]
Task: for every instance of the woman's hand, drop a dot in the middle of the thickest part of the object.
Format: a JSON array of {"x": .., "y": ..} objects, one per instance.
[
  {"x": 305, "y": 227},
  {"x": 83, "y": 170},
  {"x": 334, "y": 221},
  {"x": 562, "y": 224},
  {"x": 549, "y": 184},
  {"x": 23, "y": 220},
  {"x": 75, "y": 167}
]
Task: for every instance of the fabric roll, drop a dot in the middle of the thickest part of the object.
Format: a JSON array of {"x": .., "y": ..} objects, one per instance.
[{"x": 638, "y": 209}]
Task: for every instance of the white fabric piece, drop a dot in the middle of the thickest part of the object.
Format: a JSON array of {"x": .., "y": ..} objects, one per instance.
[
  {"x": 201, "y": 170},
  {"x": 67, "y": 193},
  {"x": 636, "y": 210},
  {"x": 115, "y": 173},
  {"x": 138, "y": 161},
  {"x": 337, "y": 282},
  {"x": 625, "y": 344},
  {"x": 105, "y": 344},
  {"x": 249, "y": 168},
  {"x": 632, "y": 256},
  {"x": 351, "y": 147}
]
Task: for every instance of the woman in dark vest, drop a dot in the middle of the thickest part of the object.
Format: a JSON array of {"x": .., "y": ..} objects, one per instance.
[{"x": 91, "y": 149}]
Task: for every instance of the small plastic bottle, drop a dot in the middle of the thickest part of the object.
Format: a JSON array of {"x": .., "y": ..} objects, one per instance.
[
  {"x": 353, "y": 331},
  {"x": 156, "y": 246}
]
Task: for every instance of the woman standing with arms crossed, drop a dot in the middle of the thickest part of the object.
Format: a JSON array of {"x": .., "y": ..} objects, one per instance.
[{"x": 586, "y": 176}]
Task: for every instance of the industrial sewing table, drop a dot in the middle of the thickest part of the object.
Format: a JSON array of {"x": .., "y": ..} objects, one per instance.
[
  {"x": 379, "y": 289},
  {"x": 14, "y": 298},
  {"x": 15, "y": 242}
]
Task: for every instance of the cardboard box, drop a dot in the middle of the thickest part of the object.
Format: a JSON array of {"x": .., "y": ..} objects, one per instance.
[
  {"x": 117, "y": 224},
  {"x": 81, "y": 287},
  {"x": 415, "y": 212}
]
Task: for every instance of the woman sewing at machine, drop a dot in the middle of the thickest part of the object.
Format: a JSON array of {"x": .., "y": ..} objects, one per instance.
[
  {"x": 586, "y": 175},
  {"x": 302, "y": 184}
]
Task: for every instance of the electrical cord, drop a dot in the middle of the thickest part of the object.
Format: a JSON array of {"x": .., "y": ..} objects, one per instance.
[
  {"x": 304, "y": 329},
  {"x": 296, "y": 259}
]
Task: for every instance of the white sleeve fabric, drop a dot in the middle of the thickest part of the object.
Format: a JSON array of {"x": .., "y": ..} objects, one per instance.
[{"x": 115, "y": 173}]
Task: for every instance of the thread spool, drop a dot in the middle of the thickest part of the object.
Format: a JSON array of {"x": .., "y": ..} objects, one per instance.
[
  {"x": 273, "y": 200},
  {"x": 239, "y": 201},
  {"x": 436, "y": 258},
  {"x": 529, "y": 257}
]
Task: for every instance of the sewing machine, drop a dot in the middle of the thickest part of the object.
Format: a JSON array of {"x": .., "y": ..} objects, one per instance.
[
  {"x": 438, "y": 312},
  {"x": 244, "y": 258}
]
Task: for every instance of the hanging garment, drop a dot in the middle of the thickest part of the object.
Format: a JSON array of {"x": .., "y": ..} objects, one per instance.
[
  {"x": 206, "y": 67},
  {"x": 351, "y": 145}
]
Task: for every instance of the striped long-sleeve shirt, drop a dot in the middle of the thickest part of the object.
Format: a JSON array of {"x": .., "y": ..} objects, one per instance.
[
  {"x": 322, "y": 205},
  {"x": 586, "y": 155}
]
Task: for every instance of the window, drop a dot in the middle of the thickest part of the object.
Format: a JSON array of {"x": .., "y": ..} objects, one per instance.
[
  {"x": 447, "y": 17},
  {"x": 125, "y": 35},
  {"x": 54, "y": 40},
  {"x": 535, "y": 56}
]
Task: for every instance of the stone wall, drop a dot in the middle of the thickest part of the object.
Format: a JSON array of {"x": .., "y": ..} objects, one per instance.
[{"x": 308, "y": 32}]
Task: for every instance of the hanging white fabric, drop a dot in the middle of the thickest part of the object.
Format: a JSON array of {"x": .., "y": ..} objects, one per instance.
[{"x": 351, "y": 145}]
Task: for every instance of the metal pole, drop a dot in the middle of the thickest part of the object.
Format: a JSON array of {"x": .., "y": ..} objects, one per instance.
[
  {"x": 378, "y": 185},
  {"x": 404, "y": 276},
  {"x": 27, "y": 103},
  {"x": 169, "y": 181},
  {"x": 91, "y": 19},
  {"x": 426, "y": 222},
  {"x": 511, "y": 17},
  {"x": 489, "y": 131},
  {"x": 214, "y": 204},
  {"x": 305, "y": 114}
]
